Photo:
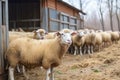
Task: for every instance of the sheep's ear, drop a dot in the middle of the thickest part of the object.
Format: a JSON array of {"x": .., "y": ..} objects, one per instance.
[
  {"x": 73, "y": 33},
  {"x": 34, "y": 31},
  {"x": 58, "y": 33},
  {"x": 46, "y": 32}
]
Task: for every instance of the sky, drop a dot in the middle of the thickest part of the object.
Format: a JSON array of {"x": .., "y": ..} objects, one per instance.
[{"x": 89, "y": 9}]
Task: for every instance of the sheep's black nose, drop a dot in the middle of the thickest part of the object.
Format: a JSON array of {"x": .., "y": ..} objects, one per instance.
[
  {"x": 69, "y": 41},
  {"x": 42, "y": 38}
]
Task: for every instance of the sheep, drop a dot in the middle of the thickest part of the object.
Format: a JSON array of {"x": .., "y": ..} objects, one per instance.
[
  {"x": 78, "y": 42},
  {"x": 16, "y": 35},
  {"x": 39, "y": 34},
  {"x": 88, "y": 47},
  {"x": 97, "y": 40},
  {"x": 114, "y": 36},
  {"x": 106, "y": 37},
  {"x": 30, "y": 52}
]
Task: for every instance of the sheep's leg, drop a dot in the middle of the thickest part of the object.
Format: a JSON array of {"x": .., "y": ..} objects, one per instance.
[
  {"x": 99, "y": 47},
  {"x": 18, "y": 68},
  {"x": 11, "y": 73},
  {"x": 88, "y": 49},
  {"x": 50, "y": 75},
  {"x": 85, "y": 49},
  {"x": 80, "y": 50},
  {"x": 75, "y": 52},
  {"x": 24, "y": 72},
  {"x": 91, "y": 48}
]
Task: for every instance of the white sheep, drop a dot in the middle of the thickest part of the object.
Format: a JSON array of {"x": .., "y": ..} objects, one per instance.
[
  {"x": 78, "y": 42},
  {"x": 114, "y": 36},
  {"x": 39, "y": 34},
  {"x": 29, "y": 52},
  {"x": 15, "y": 35},
  {"x": 88, "y": 46},
  {"x": 106, "y": 37},
  {"x": 97, "y": 40}
]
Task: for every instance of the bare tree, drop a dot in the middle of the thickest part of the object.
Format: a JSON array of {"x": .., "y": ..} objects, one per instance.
[
  {"x": 83, "y": 5},
  {"x": 117, "y": 16},
  {"x": 81, "y": 22},
  {"x": 110, "y": 9},
  {"x": 101, "y": 13}
]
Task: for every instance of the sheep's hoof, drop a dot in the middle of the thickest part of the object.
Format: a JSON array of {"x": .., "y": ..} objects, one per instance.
[
  {"x": 81, "y": 54},
  {"x": 74, "y": 53},
  {"x": 27, "y": 78}
]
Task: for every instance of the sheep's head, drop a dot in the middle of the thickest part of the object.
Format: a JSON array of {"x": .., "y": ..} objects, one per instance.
[
  {"x": 81, "y": 33},
  {"x": 65, "y": 38},
  {"x": 40, "y": 33}
]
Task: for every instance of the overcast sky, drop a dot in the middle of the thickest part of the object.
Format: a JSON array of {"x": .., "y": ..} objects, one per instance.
[{"x": 90, "y": 8}]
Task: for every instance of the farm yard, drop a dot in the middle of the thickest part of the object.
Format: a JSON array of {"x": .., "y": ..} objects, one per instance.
[
  {"x": 59, "y": 40},
  {"x": 103, "y": 65}
]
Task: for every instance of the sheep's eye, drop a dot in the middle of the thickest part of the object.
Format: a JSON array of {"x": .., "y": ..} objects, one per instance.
[{"x": 62, "y": 34}]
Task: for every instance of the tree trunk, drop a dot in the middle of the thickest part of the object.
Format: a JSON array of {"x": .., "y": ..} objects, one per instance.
[
  {"x": 102, "y": 22},
  {"x": 110, "y": 7},
  {"x": 118, "y": 21}
]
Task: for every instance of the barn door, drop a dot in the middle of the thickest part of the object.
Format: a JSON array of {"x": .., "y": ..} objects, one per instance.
[{"x": 3, "y": 35}]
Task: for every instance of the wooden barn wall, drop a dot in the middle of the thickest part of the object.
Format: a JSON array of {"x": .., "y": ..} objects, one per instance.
[
  {"x": 51, "y": 4},
  {"x": 44, "y": 22},
  {"x": 55, "y": 8},
  {"x": 59, "y": 6},
  {"x": 24, "y": 14}
]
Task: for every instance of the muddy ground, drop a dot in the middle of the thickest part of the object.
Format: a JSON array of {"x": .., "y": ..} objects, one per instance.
[{"x": 103, "y": 65}]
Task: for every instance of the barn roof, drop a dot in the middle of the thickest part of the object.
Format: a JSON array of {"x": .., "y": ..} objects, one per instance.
[{"x": 72, "y": 6}]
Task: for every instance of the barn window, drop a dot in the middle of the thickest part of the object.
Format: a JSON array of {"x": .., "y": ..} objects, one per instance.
[
  {"x": 53, "y": 14},
  {"x": 58, "y": 20},
  {"x": 54, "y": 26},
  {"x": 68, "y": 21}
]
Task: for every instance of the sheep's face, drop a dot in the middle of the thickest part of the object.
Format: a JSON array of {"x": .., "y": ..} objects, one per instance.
[
  {"x": 65, "y": 38},
  {"x": 39, "y": 36},
  {"x": 81, "y": 33},
  {"x": 86, "y": 32}
]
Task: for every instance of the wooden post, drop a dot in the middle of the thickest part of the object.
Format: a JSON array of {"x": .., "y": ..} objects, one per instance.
[
  {"x": 3, "y": 36},
  {"x": 1, "y": 45}
]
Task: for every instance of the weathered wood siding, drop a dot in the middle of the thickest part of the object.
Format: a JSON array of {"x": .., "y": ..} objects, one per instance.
[{"x": 59, "y": 6}]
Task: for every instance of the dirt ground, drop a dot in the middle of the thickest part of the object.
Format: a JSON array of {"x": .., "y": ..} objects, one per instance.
[{"x": 103, "y": 65}]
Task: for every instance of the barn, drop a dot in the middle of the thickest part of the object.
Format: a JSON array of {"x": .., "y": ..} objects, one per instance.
[{"x": 51, "y": 15}]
